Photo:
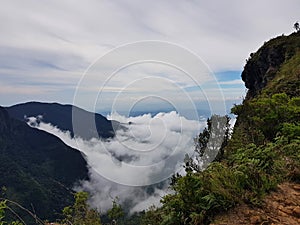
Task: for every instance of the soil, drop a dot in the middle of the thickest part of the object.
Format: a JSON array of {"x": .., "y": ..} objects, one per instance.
[{"x": 281, "y": 207}]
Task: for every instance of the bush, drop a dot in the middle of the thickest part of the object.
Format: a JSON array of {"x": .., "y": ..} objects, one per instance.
[{"x": 80, "y": 213}]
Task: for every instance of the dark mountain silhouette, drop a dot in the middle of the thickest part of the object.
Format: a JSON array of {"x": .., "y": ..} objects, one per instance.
[
  {"x": 37, "y": 169},
  {"x": 88, "y": 125}
]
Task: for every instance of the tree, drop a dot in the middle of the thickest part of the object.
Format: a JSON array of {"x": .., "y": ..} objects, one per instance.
[
  {"x": 152, "y": 216},
  {"x": 296, "y": 26},
  {"x": 210, "y": 143},
  {"x": 3, "y": 207},
  {"x": 116, "y": 212},
  {"x": 2, "y": 212},
  {"x": 80, "y": 213}
]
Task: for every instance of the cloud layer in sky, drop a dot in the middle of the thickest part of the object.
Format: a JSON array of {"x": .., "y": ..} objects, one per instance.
[{"x": 45, "y": 46}]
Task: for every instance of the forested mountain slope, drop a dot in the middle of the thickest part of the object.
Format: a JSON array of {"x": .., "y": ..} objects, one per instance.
[{"x": 36, "y": 168}]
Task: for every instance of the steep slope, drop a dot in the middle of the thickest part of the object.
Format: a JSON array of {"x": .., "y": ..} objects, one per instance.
[
  {"x": 262, "y": 156},
  {"x": 61, "y": 116},
  {"x": 270, "y": 118},
  {"x": 275, "y": 64},
  {"x": 37, "y": 169},
  {"x": 273, "y": 69}
]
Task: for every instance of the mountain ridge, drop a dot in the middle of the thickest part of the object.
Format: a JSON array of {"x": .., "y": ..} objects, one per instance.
[
  {"x": 88, "y": 125},
  {"x": 37, "y": 169},
  {"x": 263, "y": 65}
]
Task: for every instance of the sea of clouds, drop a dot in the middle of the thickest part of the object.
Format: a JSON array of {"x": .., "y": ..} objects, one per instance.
[{"x": 135, "y": 165}]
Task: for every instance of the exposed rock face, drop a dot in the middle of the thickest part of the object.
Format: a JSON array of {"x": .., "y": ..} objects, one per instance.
[
  {"x": 262, "y": 66},
  {"x": 257, "y": 72}
]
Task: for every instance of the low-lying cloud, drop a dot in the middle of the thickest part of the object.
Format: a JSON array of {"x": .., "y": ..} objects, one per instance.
[{"x": 134, "y": 165}]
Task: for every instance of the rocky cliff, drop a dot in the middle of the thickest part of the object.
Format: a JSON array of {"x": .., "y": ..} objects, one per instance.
[{"x": 268, "y": 62}]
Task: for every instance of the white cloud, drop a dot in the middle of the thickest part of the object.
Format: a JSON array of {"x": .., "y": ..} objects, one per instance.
[
  {"x": 23, "y": 90},
  {"x": 231, "y": 82},
  {"x": 69, "y": 36},
  {"x": 89, "y": 28},
  {"x": 148, "y": 151}
]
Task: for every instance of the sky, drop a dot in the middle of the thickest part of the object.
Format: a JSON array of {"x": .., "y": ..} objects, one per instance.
[
  {"x": 135, "y": 55},
  {"x": 117, "y": 55}
]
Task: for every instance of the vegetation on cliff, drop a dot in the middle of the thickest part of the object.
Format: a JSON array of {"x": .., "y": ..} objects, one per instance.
[{"x": 263, "y": 151}]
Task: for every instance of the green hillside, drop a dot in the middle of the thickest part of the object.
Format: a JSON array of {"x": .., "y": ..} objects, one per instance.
[
  {"x": 263, "y": 152},
  {"x": 37, "y": 169},
  {"x": 264, "y": 149}
]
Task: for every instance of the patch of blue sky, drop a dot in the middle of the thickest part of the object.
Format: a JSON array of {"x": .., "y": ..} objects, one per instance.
[
  {"x": 228, "y": 75},
  {"x": 226, "y": 79}
]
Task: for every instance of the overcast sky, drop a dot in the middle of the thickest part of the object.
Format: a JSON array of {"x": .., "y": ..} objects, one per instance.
[{"x": 47, "y": 46}]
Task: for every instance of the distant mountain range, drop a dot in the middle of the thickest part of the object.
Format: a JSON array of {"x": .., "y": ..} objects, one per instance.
[{"x": 190, "y": 114}]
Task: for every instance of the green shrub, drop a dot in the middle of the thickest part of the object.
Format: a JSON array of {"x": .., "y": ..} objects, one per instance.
[{"x": 80, "y": 213}]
